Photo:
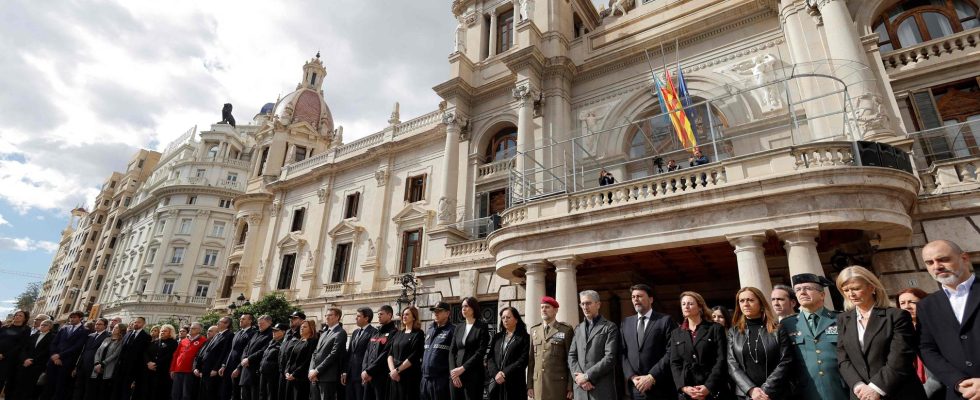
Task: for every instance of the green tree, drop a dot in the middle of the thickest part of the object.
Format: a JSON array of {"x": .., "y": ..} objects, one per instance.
[
  {"x": 26, "y": 300},
  {"x": 274, "y": 304},
  {"x": 209, "y": 318}
]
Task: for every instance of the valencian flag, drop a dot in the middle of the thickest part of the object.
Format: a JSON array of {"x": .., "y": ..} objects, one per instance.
[{"x": 670, "y": 99}]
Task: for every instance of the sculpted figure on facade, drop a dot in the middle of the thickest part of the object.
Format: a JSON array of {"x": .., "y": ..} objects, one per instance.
[
  {"x": 381, "y": 175},
  {"x": 526, "y": 8},
  {"x": 869, "y": 113},
  {"x": 322, "y": 193},
  {"x": 459, "y": 38},
  {"x": 291, "y": 154},
  {"x": 447, "y": 211},
  {"x": 761, "y": 69},
  {"x": 395, "y": 118},
  {"x": 372, "y": 249}
]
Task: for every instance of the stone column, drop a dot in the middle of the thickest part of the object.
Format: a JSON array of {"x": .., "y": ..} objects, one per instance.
[
  {"x": 492, "y": 50},
  {"x": 450, "y": 168},
  {"x": 845, "y": 44},
  {"x": 751, "y": 256},
  {"x": 524, "y": 94},
  {"x": 566, "y": 288},
  {"x": 802, "y": 256},
  {"x": 534, "y": 289}
]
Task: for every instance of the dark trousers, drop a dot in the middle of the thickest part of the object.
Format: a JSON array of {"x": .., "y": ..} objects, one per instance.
[
  {"x": 251, "y": 390},
  {"x": 297, "y": 389},
  {"x": 60, "y": 383},
  {"x": 229, "y": 387},
  {"x": 210, "y": 387},
  {"x": 98, "y": 388},
  {"x": 129, "y": 384},
  {"x": 269, "y": 386},
  {"x": 184, "y": 386},
  {"x": 434, "y": 388},
  {"x": 379, "y": 386},
  {"x": 81, "y": 383},
  {"x": 324, "y": 390},
  {"x": 356, "y": 390}
]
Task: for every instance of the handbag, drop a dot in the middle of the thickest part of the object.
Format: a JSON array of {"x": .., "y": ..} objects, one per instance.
[{"x": 42, "y": 379}]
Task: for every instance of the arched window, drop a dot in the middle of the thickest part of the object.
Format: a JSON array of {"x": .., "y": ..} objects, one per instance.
[
  {"x": 651, "y": 137},
  {"x": 916, "y": 21},
  {"x": 503, "y": 145}
]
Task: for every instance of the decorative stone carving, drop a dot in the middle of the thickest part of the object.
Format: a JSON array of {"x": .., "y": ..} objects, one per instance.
[
  {"x": 372, "y": 250},
  {"x": 623, "y": 6},
  {"x": 447, "y": 211},
  {"x": 761, "y": 69},
  {"x": 470, "y": 19},
  {"x": 459, "y": 38},
  {"x": 322, "y": 194},
  {"x": 522, "y": 92},
  {"x": 526, "y": 8},
  {"x": 276, "y": 207},
  {"x": 869, "y": 113},
  {"x": 381, "y": 175},
  {"x": 395, "y": 117},
  {"x": 291, "y": 154},
  {"x": 254, "y": 218}
]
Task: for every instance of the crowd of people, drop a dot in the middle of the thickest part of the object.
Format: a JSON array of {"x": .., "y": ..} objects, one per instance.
[{"x": 925, "y": 348}]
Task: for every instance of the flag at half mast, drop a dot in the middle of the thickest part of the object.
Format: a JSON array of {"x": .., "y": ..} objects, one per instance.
[{"x": 671, "y": 100}]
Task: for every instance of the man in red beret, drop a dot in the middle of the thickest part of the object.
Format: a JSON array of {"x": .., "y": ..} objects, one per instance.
[{"x": 548, "y": 376}]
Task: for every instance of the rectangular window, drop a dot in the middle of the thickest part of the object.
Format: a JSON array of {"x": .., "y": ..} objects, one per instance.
[
  {"x": 202, "y": 288},
  {"x": 185, "y": 226},
  {"x": 411, "y": 250},
  {"x": 350, "y": 210},
  {"x": 140, "y": 164},
  {"x": 415, "y": 188},
  {"x": 168, "y": 286},
  {"x": 223, "y": 203},
  {"x": 232, "y": 177},
  {"x": 298, "y": 215},
  {"x": 300, "y": 153},
  {"x": 340, "y": 261},
  {"x": 200, "y": 173},
  {"x": 178, "y": 255},
  {"x": 163, "y": 223},
  {"x": 210, "y": 257},
  {"x": 191, "y": 199},
  {"x": 142, "y": 286},
  {"x": 218, "y": 229},
  {"x": 505, "y": 31},
  {"x": 286, "y": 272},
  {"x": 127, "y": 201},
  {"x": 98, "y": 283},
  {"x": 265, "y": 157},
  {"x": 112, "y": 243}
]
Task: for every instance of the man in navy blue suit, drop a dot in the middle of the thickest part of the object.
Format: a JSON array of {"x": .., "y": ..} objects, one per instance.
[
  {"x": 645, "y": 340},
  {"x": 65, "y": 349}
]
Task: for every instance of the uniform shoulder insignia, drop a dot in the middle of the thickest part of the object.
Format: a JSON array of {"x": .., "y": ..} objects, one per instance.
[
  {"x": 565, "y": 325},
  {"x": 536, "y": 325}
]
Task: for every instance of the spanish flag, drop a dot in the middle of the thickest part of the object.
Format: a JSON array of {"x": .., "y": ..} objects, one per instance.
[{"x": 678, "y": 118}]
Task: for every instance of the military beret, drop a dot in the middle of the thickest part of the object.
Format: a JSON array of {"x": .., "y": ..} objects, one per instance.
[
  {"x": 550, "y": 301},
  {"x": 810, "y": 278}
]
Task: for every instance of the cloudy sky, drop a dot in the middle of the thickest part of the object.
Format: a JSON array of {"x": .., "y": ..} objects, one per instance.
[{"x": 85, "y": 84}]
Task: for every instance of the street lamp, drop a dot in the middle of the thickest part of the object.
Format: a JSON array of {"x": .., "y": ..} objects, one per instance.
[
  {"x": 239, "y": 302},
  {"x": 409, "y": 290}
]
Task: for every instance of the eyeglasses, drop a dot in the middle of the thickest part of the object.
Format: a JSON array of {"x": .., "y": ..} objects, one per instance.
[{"x": 802, "y": 289}]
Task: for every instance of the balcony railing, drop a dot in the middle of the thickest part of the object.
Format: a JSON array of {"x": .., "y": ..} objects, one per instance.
[
  {"x": 201, "y": 181},
  {"x": 948, "y": 158},
  {"x": 468, "y": 249},
  {"x": 495, "y": 167},
  {"x": 480, "y": 227},
  {"x": 910, "y": 57}
]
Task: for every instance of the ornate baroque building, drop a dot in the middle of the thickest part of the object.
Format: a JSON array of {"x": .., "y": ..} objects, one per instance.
[{"x": 837, "y": 132}]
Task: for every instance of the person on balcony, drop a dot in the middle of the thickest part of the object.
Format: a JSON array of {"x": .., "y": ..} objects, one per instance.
[
  {"x": 672, "y": 166},
  {"x": 698, "y": 158},
  {"x": 606, "y": 178}
]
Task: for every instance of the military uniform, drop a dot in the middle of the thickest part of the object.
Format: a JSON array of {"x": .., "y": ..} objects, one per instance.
[
  {"x": 818, "y": 376},
  {"x": 547, "y": 370}
]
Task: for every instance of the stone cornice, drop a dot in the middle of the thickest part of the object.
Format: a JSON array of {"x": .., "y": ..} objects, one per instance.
[
  {"x": 526, "y": 58},
  {"x": 560, "y": 67},
  {"x": 455, "y": 90}
]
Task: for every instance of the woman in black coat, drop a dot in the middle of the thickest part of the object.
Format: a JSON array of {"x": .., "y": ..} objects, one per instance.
[
  {"x": 467, "y": 353},
  {"x": 507, "y": 361},
  {"x": 33, "y": 361},
  {"x": 405, "y": 358},
  {"x": 876, "y": 349},
  {"x": 698, "y": 352},
  {"x": 13, "y": 337},
  {"x": 298, "y": 362},
  {"x": 158, "y": 363},
  {"x": 760, "y": 357}
]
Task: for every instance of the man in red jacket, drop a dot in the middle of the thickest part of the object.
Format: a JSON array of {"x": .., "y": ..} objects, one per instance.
[{"x": 182, "y": 366}]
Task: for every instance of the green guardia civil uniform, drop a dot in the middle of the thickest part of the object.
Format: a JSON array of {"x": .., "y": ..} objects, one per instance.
[
  {"x": 817, "y": 376},
  {"x": 548, "y": 374}
]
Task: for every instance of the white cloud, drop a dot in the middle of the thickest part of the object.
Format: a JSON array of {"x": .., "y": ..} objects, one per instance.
[
  {"x": 4, "y": 221},
  {"x": 27, "y": 244},
  {"x": 85, "y": 85}
]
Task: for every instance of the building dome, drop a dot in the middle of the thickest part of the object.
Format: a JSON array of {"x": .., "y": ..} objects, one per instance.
[
  {"x": 306, "y": 103},
  {"x": 267, "y": 108}
]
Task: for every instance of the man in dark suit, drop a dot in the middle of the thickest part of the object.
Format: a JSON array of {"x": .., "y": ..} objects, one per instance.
[
  {"x": 248, "y": 367},
  {"x": 229, "y": 371},
  {"x": 65, "y": 349},
  {"x": 351, "y": 377},
  {"x": 132, "y": 366},
  {"x": 86, "y": 362},
  {"x": 595, "y": 347},
  {"x": 643, "y": 347},
  {"x": 950, "y": 334},
  {"x": 292, "y": 337},
  {"x": 326, "y": 364},
  {"x": 209, "y": 360}
]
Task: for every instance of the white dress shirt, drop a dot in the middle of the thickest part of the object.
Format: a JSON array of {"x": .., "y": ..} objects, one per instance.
[
  {"x": 861, "y": 330},
  {"x": 958, "y": 297}
]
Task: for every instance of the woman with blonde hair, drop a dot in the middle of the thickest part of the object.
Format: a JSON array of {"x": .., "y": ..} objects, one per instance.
[
  {"x": 760, "y": 359},
  {"x": 698, "y": 352},
  {"x": 876, "y": 349}
]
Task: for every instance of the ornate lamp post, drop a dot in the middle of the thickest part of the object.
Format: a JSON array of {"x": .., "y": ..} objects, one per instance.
[{"x": 409, "y": 291}]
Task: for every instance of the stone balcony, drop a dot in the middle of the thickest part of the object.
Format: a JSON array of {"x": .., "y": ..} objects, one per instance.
[
  {"x": 191, "y": 181},
  {"x": 494, "y": 170},
  {"x": 818, "y": 186},
  {"x": 937, "y": 52}
]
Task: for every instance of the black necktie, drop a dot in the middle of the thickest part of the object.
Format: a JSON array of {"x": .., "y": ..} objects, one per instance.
[{"x": 641, "y": 329}]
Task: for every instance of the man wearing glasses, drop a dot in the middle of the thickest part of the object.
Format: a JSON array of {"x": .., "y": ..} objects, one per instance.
[{"x": 813, "y": 333}]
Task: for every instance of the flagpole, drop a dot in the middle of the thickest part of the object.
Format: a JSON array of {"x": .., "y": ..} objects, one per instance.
[{"x": 663, "y": 59}]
